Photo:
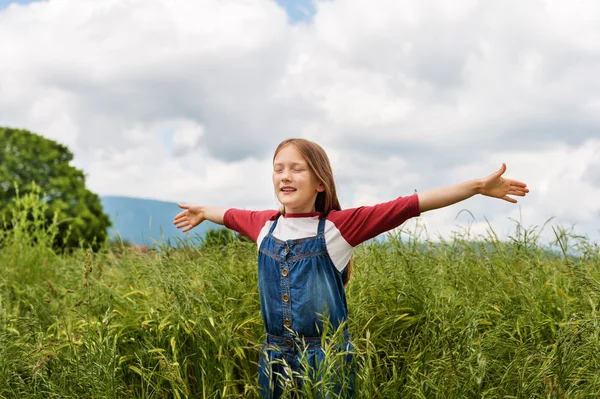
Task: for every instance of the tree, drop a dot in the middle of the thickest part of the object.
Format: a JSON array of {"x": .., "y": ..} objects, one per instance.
[{"x": 26, "y": 160}]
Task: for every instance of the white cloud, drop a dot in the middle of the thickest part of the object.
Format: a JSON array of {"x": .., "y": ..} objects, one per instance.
[
  {"x": 560, "y": 191},
  {"x": 180, "y": 100},
  {"x": 187, "y": 138}
]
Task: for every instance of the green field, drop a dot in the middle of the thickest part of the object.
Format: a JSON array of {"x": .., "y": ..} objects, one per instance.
[{"x": 456, "y": 319}]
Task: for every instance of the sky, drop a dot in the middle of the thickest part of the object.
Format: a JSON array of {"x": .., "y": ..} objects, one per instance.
[{"x": 186, "y": 101}]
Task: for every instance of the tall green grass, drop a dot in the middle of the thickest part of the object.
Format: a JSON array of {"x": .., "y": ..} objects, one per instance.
[{"x": 450, "y": 319}]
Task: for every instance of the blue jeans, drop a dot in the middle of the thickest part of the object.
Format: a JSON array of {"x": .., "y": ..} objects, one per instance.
[{"x": 297, "y": 365}]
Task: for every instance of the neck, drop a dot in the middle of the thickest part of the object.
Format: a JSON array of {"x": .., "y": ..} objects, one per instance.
[{"x": 294, "y": 211}]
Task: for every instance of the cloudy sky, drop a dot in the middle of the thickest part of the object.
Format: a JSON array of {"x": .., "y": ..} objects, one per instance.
[{"x": 182, "y": 100}]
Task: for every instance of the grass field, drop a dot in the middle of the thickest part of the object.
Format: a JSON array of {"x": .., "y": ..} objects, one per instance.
[{"x": 456, "y": 319}]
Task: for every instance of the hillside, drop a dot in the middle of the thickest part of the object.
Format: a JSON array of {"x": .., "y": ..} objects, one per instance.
[{"x": 144, "y": 222}]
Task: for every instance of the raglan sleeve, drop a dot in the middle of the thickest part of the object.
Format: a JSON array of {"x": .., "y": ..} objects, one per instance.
[
  {"x": 360, "y": 224},
  {"x": 248, "y": 223}
]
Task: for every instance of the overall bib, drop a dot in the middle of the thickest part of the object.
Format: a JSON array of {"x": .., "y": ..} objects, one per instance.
[{"x": 299, "y": 289}]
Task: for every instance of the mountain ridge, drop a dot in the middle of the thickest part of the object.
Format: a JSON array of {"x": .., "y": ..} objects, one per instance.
[{"x": 148, "y": 222}]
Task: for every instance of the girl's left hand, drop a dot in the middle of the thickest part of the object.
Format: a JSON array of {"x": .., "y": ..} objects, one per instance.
[{"x": 498, "y": 187}]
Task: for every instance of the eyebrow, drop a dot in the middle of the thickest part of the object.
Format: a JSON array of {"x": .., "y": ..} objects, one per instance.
[{"x": 291, "y": 163}]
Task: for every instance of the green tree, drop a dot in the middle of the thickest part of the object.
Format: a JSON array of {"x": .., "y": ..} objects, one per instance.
[{"x": 26, "y": 160}]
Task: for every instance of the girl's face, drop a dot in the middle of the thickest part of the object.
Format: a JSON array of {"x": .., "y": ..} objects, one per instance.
[{"x": 296, "y": 186}]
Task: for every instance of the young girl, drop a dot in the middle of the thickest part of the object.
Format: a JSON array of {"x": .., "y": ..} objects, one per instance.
[{"x": 304, "y": 249}]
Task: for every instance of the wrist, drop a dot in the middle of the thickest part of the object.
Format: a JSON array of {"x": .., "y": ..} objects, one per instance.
[
  {"x": 204, "y": 212},
  {"x": 478, "y": 186}
]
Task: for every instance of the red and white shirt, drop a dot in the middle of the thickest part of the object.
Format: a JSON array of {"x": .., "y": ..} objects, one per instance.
[{"x": 344, "y": 229}]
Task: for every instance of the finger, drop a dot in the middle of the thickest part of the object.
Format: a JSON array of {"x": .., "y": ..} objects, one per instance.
[
  {"x": 519, "y": 193},
  {"x": 180, "y": 215},
  {"x": 187, "y": 229},
  {"x": 182, "y": 224},
  {"x": 516, "y": 183},
  {"x": 509, "y": 199},
  {"x": 518, "y": 190},
  {"x": 501, "y": 171},
  {"x": 179, "y": 218},
  {"x": 184, "y": 206},
  {"x": 180, "y": 221}
]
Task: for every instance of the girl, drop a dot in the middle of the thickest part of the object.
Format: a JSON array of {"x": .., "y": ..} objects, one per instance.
[{"x": 306, "y": 246}]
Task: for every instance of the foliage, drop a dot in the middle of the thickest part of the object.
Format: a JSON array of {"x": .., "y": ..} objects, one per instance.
[
  {"x": 221, "y": 237},
  {"x": 27, "y": 160},
  {"x": 218, "y": 237},
  {"x": 456, "y": 319}
]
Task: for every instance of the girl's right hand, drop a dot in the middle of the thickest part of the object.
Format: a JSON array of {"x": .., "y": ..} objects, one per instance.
[
  {"x": 496, "y": 186},
  {"x": 190, "y": 217}
]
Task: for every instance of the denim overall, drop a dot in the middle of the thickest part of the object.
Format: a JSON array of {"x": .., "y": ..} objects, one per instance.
[{"x": 298, "y": 285}]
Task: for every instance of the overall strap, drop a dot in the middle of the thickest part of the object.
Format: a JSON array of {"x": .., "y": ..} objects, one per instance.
[
  {"x": 321, "y": 229},
  {"x": 274, "y": 224}
]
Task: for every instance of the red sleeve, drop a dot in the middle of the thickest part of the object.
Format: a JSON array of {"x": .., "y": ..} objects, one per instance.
[
  {"x": 358, "y": 225},
  {"x": 248, "y": 223}
]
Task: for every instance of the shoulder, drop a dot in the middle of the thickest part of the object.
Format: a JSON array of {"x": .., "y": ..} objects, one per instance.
[
  {"x": 365, "y": 222},
  {"x": 270, "y": 214},
  {"x": 408, "y": 205},
  {"x": 248, "y": 222}
]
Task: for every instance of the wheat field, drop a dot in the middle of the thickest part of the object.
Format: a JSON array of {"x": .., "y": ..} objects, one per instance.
[{"x": 466, "y": 318}]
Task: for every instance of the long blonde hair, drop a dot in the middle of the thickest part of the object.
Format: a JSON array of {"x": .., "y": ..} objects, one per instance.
[{"x": 318, "y": 162}]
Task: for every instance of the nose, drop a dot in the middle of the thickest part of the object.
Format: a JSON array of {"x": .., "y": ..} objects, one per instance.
[
  {"x": 285, "y": 176},
  {"x": 285, "y": 179}
]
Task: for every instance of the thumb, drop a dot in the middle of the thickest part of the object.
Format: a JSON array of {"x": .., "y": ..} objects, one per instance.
[
  {"x": 183, "y": 206},
  {"x": 501, "y": 171}
]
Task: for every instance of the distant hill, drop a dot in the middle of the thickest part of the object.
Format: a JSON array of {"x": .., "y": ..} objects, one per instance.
[{"x": 145, "y": 222}]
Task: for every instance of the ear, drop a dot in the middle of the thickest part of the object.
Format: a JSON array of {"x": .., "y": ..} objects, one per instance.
[{"x": 321, "y": 187}]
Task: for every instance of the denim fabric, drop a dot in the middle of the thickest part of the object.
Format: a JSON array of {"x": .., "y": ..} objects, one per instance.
[
  {"x": 285, "y": 363},
  {"x": 299, "y": 288},
  {"x": 303, "y": 271}
]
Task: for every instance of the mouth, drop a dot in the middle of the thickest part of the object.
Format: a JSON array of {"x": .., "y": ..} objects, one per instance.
[{"x": 287, "y": 190}]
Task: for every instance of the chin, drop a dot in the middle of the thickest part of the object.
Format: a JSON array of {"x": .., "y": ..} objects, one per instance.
[
  {"x": 283, "y": 201},
  {"x": 286, "y": 204}
]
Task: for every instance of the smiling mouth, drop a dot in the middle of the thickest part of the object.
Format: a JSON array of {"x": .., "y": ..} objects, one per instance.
[{"x": 287, "y": 190}]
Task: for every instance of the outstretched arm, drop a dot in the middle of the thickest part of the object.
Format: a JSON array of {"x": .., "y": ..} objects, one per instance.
[
  {"x": 492, "y": 186},
  {"x": 193, "y": 215}
]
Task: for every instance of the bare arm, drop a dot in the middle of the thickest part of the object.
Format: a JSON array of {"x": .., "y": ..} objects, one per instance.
[
  {"x": 193, "y": 215},
  {"x": 492, "y": 186}
]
